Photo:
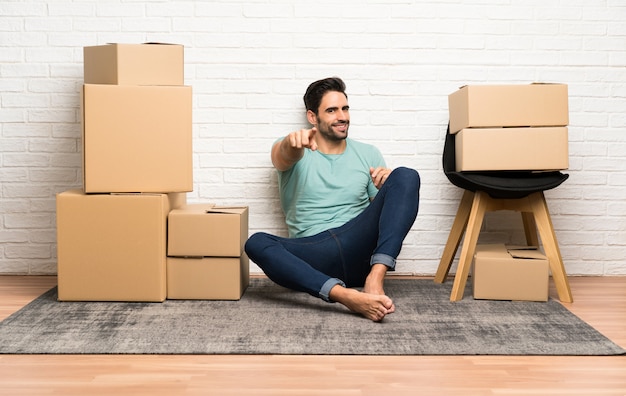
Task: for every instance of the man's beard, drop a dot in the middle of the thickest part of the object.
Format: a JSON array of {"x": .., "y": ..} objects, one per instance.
[{"x": 326, "y": 130}]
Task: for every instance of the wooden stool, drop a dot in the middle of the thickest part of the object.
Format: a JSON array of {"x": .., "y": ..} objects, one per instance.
[{"x": 469, "y": 220}]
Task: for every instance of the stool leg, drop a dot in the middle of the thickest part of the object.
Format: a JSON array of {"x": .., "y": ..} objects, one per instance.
[
  {"x": 474, "y": 224},
  {"x": 530, "y": 229},
  {"x": 550, "y": 244},
  {"x": 454, "y": 238}
]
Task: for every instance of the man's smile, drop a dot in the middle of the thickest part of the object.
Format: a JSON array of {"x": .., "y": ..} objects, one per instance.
[{"x": 341, "y": 126}]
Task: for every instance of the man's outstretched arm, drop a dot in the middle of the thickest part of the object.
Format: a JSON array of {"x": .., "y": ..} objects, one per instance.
[{"x": 290, "y": 150}]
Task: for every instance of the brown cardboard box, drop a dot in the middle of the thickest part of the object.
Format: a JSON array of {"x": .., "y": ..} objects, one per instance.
[
  {"x": 535, "y": 148},
  {"x": 206, "y": 230},
  {"x": 111, "y": 247},
  {"x": 177, "y": 200},
  {"x": 487, "y": 106},
  {"x": 207, "y": 278},
  {"x": 510, "y": 273},
  {"x": 137, "y": 139},
  {"x": 134, "y": 64}
]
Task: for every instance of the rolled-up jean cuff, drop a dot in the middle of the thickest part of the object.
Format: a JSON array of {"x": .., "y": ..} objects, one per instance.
[
  {"x": 329, "y": 284},
  {"x": 379, "y": 258}
]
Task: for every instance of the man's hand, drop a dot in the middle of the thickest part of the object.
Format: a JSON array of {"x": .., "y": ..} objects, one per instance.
[
  {"x": 304, "y": 138},
  {"x": 291, "y": 149},
  {"x": 379, "y": 175}
]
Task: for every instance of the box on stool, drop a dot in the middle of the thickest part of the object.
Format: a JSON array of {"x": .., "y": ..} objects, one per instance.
[
  {"x": 522, "y": 105},
  {"x": 112, "y": 247},
  {"x": 529, "y": 149},
  {"x": 510, "y": 273}
]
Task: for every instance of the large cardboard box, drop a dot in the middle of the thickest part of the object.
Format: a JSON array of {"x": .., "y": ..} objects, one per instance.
[
  {"x": 137, "y": 139},
  {"x": 134, "y": 64},
  {"x": 112, "y": 247},
  {"x": 510, "y": 273},
  {"x": 487, "y": 106},
  {"x": 207, "y": 278},
  {"x": 206, "y": 230},
  {"x": 534, "y": 148}
]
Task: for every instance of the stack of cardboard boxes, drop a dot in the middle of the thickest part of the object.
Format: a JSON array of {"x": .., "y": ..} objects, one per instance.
[
  {"x": 205, "y": 252},
  {"x": 510, "y": 128},
  {"x": 137, "y": 168}
]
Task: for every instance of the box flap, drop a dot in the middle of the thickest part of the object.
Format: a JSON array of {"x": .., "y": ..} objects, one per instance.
[
  {"x": 522, "y": 247},
  {"x": 490, "y": 250},
  {"x": 226, "y": 209},
  {"x": 529, "y": 254},
  {"x": 497, "y": 250},
  {"x": 144, "y": 43},
  {"x": 545, "y": 83}
]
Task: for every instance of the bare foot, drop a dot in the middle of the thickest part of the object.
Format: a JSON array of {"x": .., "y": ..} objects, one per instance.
[
  {"x": 375, "y": 279},
  {"x": 373, "y": 306}
]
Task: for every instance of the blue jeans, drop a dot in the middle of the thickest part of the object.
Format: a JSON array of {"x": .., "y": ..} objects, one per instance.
[{"x": 343, "y": 255}]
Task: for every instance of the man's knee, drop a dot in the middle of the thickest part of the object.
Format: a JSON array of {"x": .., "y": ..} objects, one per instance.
[
  {"x": 256, "y": 243},
  {"x": 408, "y": 176}
]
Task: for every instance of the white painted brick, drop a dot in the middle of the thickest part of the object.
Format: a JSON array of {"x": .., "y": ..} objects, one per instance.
[
  {"x": 14, "y": 236},
  {"x": 68, "y": 176},
  {"x": 71, "y": 9},
  {"x": 24, "y": 221},
  {"x": 146, "y": 25},
  {"x": 72, "y": 40},
  {"x": 22, "y": 39},
  {"x": 22, "y": 9},
  {"x": 170, "y": 9},
  {"x": 27, "y": 251},
  {"x": 98, "y": 25},
  {"x": 8, "y": 175},
  {"x": 10, "y": 267},
  {"x": 47, "y": 24},
  {"x": 249, "y": 64}
]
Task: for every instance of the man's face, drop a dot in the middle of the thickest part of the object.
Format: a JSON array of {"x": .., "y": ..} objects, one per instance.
[{"x": 333, "y": 116}]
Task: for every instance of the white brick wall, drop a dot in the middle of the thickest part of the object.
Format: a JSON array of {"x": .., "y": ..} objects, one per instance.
[{"x": 249, "y": 63}]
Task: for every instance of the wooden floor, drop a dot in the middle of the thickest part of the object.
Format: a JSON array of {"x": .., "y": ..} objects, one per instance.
[{"x": 599, "y": 301}]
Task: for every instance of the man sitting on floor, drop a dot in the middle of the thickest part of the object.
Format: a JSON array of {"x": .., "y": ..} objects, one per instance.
[{"x": 346, "y": 212}]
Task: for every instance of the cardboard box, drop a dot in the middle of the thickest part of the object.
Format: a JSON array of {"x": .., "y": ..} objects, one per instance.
[
  {"x": 207, "y": 278},
  {"x": 134, "y": 64},
  {"x": 137, "y": 139},
  {"x": 177, "y": 200},
  {"x": 111, "y": 247},
  {"x": 206, "y": 230},
  {"x": 510, "y": 273},
  {"x": 536, "y": 149},
  {"x": 487, "y": 106}
]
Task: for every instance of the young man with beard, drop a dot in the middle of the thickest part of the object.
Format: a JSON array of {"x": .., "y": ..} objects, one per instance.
[{"x": 347, "y": 213}]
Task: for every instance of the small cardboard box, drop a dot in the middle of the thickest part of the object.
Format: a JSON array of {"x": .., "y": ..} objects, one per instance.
[
  {"x": 489, "y": 106},
  {"x": 510, "y": 273},
  {"x": 207, "y": 278},
  {"x": 137, "y": 139},
  {"x": 112, "y": 247},
  {"x": 206, "y": 230},
  {"x": 177, "y": 200},
  {"x": 535, "y": 149},
  {"x": 134, "y": 64}
]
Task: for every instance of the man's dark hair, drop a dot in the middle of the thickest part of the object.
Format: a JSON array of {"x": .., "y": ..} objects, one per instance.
[{"x": 315, "y": 92}]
